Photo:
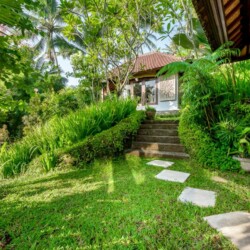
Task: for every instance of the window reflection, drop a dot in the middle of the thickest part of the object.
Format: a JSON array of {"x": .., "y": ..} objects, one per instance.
[
  {"x": 150, "y": 91},
  {"x": 138, "y": 91}
]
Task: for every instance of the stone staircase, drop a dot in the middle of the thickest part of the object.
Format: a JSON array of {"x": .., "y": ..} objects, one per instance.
[{"x": 158, "y": 139}]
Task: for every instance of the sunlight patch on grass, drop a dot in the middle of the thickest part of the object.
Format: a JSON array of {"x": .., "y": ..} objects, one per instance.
[
  {"x": 135, "y": 166},
  {"x": 110, "y": 181},
  {"x": 116, "y": 204}
]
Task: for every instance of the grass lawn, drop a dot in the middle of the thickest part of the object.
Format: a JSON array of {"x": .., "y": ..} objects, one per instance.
[{"x": 115, "y": 205}]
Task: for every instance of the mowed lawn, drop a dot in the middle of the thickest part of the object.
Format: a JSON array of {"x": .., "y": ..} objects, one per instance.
[{"x": 115, "y": 204}]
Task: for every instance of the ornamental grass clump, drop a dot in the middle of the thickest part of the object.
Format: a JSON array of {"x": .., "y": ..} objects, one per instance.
[{"x": 62, "y": 132}]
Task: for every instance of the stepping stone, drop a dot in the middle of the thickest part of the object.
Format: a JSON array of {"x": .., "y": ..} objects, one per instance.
[
  {"x": 234, "y": 225},
  {"x": 159, "y": 163},
  {"x": 219, "y": 179},
  {"x": 170, "y": 175},
  {"x": 199, "y": 197}
]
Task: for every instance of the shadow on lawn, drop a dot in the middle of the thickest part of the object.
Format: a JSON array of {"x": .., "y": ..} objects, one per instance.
[
  {"x": 38, "y": 214},
  {"x": 100, "y": 207}
]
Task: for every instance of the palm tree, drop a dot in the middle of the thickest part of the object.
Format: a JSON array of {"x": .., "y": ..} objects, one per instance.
[{"x": 51, "y": 40}]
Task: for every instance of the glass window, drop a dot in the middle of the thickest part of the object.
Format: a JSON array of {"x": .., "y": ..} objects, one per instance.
[
  {"x": 138, "y": 91},
  {"x": 150, "y": 90}
]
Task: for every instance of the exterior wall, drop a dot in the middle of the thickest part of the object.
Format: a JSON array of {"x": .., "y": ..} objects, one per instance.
[{"x": 160, "y": 105}]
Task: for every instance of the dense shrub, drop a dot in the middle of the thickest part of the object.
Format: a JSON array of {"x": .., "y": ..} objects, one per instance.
[
  {"x": 62, "y": 132},
  {"x": 217, "y": 94},
  {"x": 108, "y": 143},
  {"x": 44, "y": 106},
  {"x": 201, "y": 147}
]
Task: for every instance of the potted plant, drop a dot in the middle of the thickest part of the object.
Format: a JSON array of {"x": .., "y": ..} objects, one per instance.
[
  {"x": 244, "y": 150},
  {"x": 150, "y": 112}
]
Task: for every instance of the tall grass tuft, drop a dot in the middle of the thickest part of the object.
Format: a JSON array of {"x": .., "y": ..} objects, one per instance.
[{"x": 62, "y": 132}]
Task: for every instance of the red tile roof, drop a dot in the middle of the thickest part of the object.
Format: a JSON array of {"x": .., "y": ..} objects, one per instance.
[{"x": 153, "y": 60}]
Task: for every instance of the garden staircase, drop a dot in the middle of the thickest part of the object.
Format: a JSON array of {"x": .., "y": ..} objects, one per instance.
[{"x": 158, "y": 139}]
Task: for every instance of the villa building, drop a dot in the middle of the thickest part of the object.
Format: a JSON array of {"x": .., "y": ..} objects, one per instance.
[{"x": 158, "y": 92}]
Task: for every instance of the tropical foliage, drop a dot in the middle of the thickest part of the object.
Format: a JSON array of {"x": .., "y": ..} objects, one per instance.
[
  {"x": 108, "y": 143},
  {"x": 47, "y": 125},
  {"x": 62, "y": 132},
  {"x": 114, "y": 32},
  {"x": 187, "y": 38},
  {"x": 49, "y": 23},
  {"x": 103, "y": 39},
  {"x": 216, "y": 93}
]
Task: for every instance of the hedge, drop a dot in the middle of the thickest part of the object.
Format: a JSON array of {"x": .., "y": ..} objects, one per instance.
[
  {"x": 202, "y": 148},
  {"x": 60, "y": 132},
  {"x": 108, "y": 143}
]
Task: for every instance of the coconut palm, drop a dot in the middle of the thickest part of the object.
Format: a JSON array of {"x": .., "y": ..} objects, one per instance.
[{"x": 50, "y": 25}]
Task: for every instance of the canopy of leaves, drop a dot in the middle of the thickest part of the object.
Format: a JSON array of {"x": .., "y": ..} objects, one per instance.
[{"x": 12, "y": 14}]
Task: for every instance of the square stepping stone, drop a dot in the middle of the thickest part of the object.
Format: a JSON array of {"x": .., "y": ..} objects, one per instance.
[
  {"x": 159, "y": 163},
  {"x": 234, "y": 225},
  {"x": 170, "y": 175},
  {"x": 199, "y": 197}
]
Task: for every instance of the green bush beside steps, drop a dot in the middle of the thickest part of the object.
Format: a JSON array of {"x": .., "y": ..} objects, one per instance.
[
  {"x": 202, "y": 148},
  {"x": 108, "y": 143},
  {"x": 62, "y": 132}
]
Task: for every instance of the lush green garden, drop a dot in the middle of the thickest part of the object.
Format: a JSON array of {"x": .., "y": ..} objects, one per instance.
[
  {"x": 59, "y": 133},
  {"x": 215, "y": 119},
  {"x": 116, "y": 204},
  {"x": 65, "y": 180}
]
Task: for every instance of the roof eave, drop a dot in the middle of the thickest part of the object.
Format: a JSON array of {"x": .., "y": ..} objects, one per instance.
[{"x": 220, "y": 25}]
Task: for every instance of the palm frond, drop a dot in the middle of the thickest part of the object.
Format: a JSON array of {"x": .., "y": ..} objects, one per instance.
[
  {"x": 39, "y": 63},
  {"x": 53, "y": 5},
  {"x": 173, "y": 68},
  {"x": 63, "y": 43},
  {"x": 40, "y": 45}
]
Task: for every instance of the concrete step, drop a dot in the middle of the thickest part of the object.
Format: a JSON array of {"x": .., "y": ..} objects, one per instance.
[
  {"x": 155, "y": 153},
  {"x": 161, "y": 122},
  {"x": 158, "y": 132},
  {"x": 168, "y": 147},
  {"x": 161, "y": 139},
  {"x": 159, "y": 126}
]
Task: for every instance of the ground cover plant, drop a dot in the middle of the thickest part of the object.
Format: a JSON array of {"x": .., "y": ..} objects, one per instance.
[
  {"x": 115, "y": 204},
  {"x": 62, "y": 132},
  {"x": 167, "y": 117}
]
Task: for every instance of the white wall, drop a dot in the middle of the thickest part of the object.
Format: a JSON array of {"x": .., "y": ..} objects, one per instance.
[{"x": 165, "y": 105}]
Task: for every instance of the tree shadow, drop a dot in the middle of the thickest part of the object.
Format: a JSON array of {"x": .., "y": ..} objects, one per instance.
[{"x": 100, "y": 207}]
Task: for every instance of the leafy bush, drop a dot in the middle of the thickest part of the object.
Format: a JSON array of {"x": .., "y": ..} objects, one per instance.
[
  {"x": 107, "y": 143},
  {"x": 201, "y": 147},
  {"x": 217, "y": 94},
  {"x": 244, "y": 143},
  {"x": 150, "y": 108},
  {"x": 227, "y": 132},
  {"x": 62, "y": 132},
  {"x": 43, "y": 107},
  {"x": 211, "y": 84}
]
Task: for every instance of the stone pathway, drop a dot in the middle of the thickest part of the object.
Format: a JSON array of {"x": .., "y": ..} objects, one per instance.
[
  {"x": 199, "y": 197},
  {"x": 159, "y": 163},
  {"x": 170, "y": 175},
  {"x": 234, "y": 225}
]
